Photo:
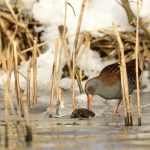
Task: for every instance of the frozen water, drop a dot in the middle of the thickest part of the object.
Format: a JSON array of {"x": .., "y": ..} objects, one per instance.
[{"x": 98, "y": 14}]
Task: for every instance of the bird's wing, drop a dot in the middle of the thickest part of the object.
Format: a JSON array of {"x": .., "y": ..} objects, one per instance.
[{"x": 110, "y": 74}]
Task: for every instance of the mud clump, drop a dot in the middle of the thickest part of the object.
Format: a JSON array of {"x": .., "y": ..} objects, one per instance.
[{"x": 82, "y": 113}]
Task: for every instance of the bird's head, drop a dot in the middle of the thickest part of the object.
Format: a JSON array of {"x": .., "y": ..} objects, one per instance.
[{"x": 91, "y": 90}]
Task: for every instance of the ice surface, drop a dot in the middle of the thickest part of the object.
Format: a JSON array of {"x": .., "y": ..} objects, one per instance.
[
  {"x": 146, "y": 81},
  {"x": 97, "y": 15},
  {"x": 82, "y": 100}
]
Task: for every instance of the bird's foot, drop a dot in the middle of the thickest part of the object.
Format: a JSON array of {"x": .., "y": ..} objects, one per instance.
[{"x": 116, "y": 113}]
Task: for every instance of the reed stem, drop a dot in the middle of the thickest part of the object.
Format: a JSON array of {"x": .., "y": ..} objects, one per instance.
[
  {"x": 74, "y": 52},
  {"x": 137, "y": 64},
  {"x": 68, "y": 58},
  {"x": 28, "y": 81},
  {"x": 79, "y": 81},
  {"x": 123, "y": 97},
  {"x": 17, "y": 85},
  {"x": 58, "y": 80},
  {"x": 2, "y": 61},
  {"x": 53, "y": 78},
  {"x": 34, "y": 63},
  {"x": 124, "y": 79},
  {"x": 6, "y": 99},
  {"x": 59, "y": 97},
  {"x": 28, "y": 137},
  {"x": 63, "y": 40}
]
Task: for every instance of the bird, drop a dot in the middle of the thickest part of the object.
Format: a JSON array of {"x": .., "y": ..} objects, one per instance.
[{"x": 108, "y": 83}]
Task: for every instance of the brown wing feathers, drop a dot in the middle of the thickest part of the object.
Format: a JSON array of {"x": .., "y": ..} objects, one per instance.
[{"x": 111, "y": 73}]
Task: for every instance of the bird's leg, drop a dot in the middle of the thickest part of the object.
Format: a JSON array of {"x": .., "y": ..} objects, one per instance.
[
  {"x": 116, "y": 107},
  {"x": 89, "y": 100}
]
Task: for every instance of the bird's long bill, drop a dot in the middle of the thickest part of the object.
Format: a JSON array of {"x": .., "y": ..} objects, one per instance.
[{"x": 90, "y": 96}]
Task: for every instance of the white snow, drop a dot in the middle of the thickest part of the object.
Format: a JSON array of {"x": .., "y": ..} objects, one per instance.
[
  {"x": 3, "y": 77},
  {"x": 66, "y": 83},
  {"x": 90, "y": 62},
  {"x": 28, "y": 4}
]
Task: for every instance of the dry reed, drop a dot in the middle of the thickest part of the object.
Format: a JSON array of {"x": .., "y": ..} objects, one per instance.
[
  {"x": 17, "y": 84},
  {"x": 2, "y": 62},
  {"x": 64, "y": 41},
  {"x": 11, "y": 10},
  {"x": 53, "y": 78},
  {"x": 28, "y": 137},
  {"x": 132, "y": 17},
  {"x": 58, "y": 81},
  {"x": 137, "y": 64},
  {"x": 34, "y": 64},
  {"x": 79, "y": 81},
  {"x": 59, "y": 97},
  {"x": 124, "y": 79},
  {"x": 28, "y": 81},
  {"x": 7, "y": 99},
  {"x": 74, "y": 52},
  {"x": 123, "y": 97},
  {"x": 15, "y": 27},
  {"x": 63, "y": 45},
  {"x": 68, "y": 58}
]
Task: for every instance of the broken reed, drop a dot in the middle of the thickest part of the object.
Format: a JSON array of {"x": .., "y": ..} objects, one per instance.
[
  {"x": 137, "y": 64},
  {"x": 74, "y": 52},
  {"x": 124, "y": 81},
  {"x": 34, "y": 64},
  {"x": 53, "y": 78}
]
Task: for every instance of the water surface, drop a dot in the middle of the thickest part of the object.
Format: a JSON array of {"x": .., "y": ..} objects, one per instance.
[{"x": 103, "y": 132}]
